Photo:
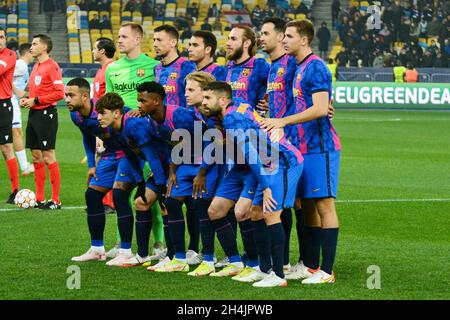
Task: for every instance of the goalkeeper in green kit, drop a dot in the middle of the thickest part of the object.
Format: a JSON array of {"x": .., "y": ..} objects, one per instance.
[{"x": 123, "y": 77}]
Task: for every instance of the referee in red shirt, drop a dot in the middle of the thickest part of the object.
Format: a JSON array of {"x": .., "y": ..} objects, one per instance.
[
  {"x": 7, "y": 65},
  {"x": 46, "y": 88}
]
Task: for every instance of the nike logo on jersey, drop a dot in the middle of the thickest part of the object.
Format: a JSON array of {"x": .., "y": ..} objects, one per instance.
[
  {"x": 315, "y": 190},
  {"x": 251, "y": 192},
  {"x": 123, "y": 174},
  {"x": 44, "y": 143}
]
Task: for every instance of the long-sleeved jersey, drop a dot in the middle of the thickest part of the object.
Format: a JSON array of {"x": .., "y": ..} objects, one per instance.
[
  {"x": 90, "y": 129},
  {"x": 252, "y": 144}
]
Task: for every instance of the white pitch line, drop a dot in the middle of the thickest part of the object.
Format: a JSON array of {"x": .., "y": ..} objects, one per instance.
[{"x": 337, "y": 201}]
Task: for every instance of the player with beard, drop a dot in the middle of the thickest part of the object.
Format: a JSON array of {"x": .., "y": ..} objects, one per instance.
[
  {"x": 246, "y": 74},
  {"x": 202, "y": 46},
  {"x": 320, "y": 146}
]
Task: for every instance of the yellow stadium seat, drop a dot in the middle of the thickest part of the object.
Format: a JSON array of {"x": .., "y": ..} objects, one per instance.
[
  {"x": 300, "y": 16},
  {"x": 221, "y": 61}
]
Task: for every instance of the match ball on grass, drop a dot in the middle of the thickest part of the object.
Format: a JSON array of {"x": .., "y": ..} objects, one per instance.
[{"x": 25, "y": 199}]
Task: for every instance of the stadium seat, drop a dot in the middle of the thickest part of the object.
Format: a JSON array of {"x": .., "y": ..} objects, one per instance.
[{"x": 300, "y": 16}]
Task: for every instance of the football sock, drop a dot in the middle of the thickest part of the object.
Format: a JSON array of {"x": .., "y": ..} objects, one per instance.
[
  {"x": 176, "y": 226},
  {"x": 157, "y": 225},
  {"x": 286, "y": 220},
  {"x": 262, "y": 241},
  {"x": 108, "y": 199},
  {"x": 193, "y": 225},
  {"x": 55, "y": 180},
  {"x": 312, "y": 247},
  {"x": 276, "y": 233},
  {"x": 232, "y": 219},
  {"x": 328, "y": 239},
  {"x": 169, "y": 244},
  {"x": 300, "y": 233},
  {"x": 22, "y": 158},
  {"x": 13, "y": 170},
  {"x": 227, "y": 238},
  {"x": 95, "y": 216},
  {"x": 206, "y": 229},
  {"x": 143, "y": 227},
  {"x": 124, "y": 217},
  {"x": 39, "y": 180},
  {"x": 248, "y": 241}
]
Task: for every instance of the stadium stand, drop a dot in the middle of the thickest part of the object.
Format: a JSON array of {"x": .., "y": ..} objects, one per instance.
[{"x": 416, "y": 34}]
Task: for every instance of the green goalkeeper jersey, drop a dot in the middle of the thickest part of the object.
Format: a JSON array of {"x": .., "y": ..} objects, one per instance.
[{"x": 124, "y": 75}]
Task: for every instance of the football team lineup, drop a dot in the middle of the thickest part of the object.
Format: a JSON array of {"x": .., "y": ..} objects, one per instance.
[{"x": 264, "y": 214}]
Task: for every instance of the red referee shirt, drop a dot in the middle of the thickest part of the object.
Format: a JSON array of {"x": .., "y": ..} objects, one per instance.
[
  {"x": 100, "y": 82},
  {"x": 46, "y": 84},
  {"x": 7, "y": 64}
]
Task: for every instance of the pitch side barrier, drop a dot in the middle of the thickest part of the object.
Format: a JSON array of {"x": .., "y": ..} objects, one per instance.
[{"x": 390, "y": 95}]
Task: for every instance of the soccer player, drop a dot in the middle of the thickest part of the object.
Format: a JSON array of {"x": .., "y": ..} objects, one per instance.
[
  {"x": 103, "y": 52},
  {"x": 46, "y": 88},
  {"x": 20, "y": 82},
  {"x": 171, "y": 73},
  {"x": 276, "y": 167},
  {"x": 170, "y": 120},
  {"x": 7, "y": 64},
  {"x": 320, "y": 146},
  {"x": 138, "y": 135},
  {"x": 202, "y": 47},
  {"x": 247, "y": 75},
  {"x": 280, "y": 104},
  {"x": 202, "y": 180},
  {"x": 123, "y": 77},
  {"x": 111, "y": 171}
]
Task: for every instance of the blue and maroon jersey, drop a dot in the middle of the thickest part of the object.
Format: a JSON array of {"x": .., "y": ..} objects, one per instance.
[
  {"x": 90, "y": 129},
  {"x": 248, "y": 80},
  {"x": 319, "y": 135},
  {"x": 178, "y": 118},
  {"x": 218, "y": 72},
  {"x": 139, "y": 138},
  {"x": 257, "y": 149},
  {"x": 172, "y": 78}
]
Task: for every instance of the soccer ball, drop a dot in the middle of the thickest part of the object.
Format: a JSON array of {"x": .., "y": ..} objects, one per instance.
[{"x": 25, "y": 199}]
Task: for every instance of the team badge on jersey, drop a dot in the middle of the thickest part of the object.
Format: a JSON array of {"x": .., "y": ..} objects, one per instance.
[
  {"x": 280, "y": 72},
  {"x": 140, "y": 72},
  {"x": 37, "y": 80},
  {"x": 173, "y": 76},
  {"x": 97, "y": 86},
  {"x": 245, "y": 72}
]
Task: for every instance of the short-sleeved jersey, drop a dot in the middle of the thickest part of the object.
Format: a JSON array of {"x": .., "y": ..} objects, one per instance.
[
  {"x": 180, "y": 118},
  {"x": 279, "y": 86},
  {"x": 218, "y": 72},
  {"x": 243, "y": 117},
  {"x": 46, "y": 84},
  {"x": 248, "y": 79},
  {"x": 100, "y": 82},
  {"x": 90, "y": 128},
  {"x": 172, "y": 77},
  {"x": 21, "y": 75},
  {"x": 319, "y": 135},
  {"x": 124, "y": 76},
  {"x": 139, "y": 136},
  {"x": 7, "y": 65}
]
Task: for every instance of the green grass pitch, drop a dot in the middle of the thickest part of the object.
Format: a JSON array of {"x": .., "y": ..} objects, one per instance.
[{"x": 393, "y": 206}]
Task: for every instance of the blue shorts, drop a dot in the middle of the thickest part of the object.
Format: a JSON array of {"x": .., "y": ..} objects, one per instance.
[
  {"x": 185, "y": 179},
  {"x": 284, "y": 187},
  {"x": 237, "y": 184},
  {"x": 320, "y": 175},
  {"x": 110, "y": 170}
]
